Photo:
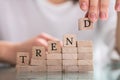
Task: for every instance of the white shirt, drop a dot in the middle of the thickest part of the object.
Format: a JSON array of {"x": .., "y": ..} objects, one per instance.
[
  {"x": 21, "y": 20},
  {"x": 24, "y": 19}
]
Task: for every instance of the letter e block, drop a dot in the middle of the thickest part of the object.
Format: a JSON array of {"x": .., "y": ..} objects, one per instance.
[{"x": 54, "y": 47}]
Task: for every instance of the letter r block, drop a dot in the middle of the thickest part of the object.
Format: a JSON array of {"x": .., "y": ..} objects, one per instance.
[
  {"x": 38, "y": 52},
  {"x": 85, "y": 24}
]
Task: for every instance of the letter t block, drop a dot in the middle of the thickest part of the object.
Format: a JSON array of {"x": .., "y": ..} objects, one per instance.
[{"x": 22, "y": 58}]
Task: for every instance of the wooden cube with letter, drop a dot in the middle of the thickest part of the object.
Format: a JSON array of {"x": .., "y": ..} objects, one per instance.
[
  {"x": 69, "y": 51},
  {"x": 38, "y": 60},
  {"x": 54, "y": 57},
  {"x": 22, "y": 62},
  {"x": 85, "y": 24}
]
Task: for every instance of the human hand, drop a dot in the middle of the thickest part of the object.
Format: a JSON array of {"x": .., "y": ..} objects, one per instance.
[
  {"x": 40, "y": 40},
  {"x": 26, "y": 46},
  {"x": 97, "y": 8},
  {"x": 8, "y": 50}
]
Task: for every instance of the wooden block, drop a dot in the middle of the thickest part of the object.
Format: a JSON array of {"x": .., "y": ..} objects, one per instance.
[
  {"x": 54, "y": 68},
  {"x": 69, "y": 62},
  {"x": 69, "y": 40},
  {"x": 85, "y": 24},
  {"x": 88, "y": 50},
  {"x": 69, "y": 50},
  {"x": 70, "y": 68},
  {"x": 54, "y": 56},
  {"x": 38, "y": 62},
  {"x": 38, "y": 52},
  {"x": 42, "y": 68},
  {"x": 85, "y": 68},
  {"x": 85, "y": 62},
  {"x": 54, "y": 62},
  {"x": 22, "y": 58},
  {"x": 85, "y": 56},
  {"x": 70, "y": 56},
  {"x": 22, "y": 69},
  {"x": 54, "y": 76},
  {"x": 54, "y": 47},
  {"x": 84, "y": 43}
]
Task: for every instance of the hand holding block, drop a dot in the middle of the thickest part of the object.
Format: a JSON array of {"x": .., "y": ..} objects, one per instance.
[
  {"x": 69, "y": 40},
  {"x": 38, "y": 52},
  {"x": 22, "y": 58},
  {"x": 85, "y": 24},
  {"x": 54, "y": 47}
]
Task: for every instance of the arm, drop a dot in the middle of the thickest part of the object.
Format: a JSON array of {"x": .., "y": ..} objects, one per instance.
[
  {"x": 118, "y": 34},
  {"x": 8, "y": 50}
]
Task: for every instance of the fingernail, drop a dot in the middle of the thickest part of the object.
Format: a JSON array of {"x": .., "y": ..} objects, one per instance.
[
  {"x": 84, "y": 5},
  {"x": 93, "y": 17},
  {"x": 118, "y": 7},
  {"x": 103, "y": 15}
]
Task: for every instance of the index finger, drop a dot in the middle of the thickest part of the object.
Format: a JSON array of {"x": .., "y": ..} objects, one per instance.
[
  {"x": 84, "y": 4},
  {"x": 117, "y": 6}
]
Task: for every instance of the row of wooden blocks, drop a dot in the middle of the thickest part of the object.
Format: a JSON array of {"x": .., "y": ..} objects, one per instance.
[{"x": 73, "y": 56}]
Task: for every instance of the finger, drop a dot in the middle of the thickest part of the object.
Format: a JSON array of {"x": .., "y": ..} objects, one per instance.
[
  {"x": 47, "y": 37},
  {"x": 93, "y": 10},
  {"x": 117, "y": 6},
  {"x": 104, "y": 6},
  {"x": 41, "y": 42},
  {"x": 84, "y": 4}
]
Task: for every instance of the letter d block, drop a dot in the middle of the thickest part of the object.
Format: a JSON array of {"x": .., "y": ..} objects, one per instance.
[
  {"x": 22, "y": 59},
  {"x": 85, "y": 24}
]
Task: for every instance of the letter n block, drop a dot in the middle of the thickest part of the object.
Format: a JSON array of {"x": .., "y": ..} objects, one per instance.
[
  {"x": 85, "y": 24},
  {"x": 23, "y": 59},
  {"x": 69, "y": 40}
]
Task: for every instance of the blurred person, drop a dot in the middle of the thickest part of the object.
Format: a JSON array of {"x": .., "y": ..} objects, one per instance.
[{"x": 26, "y": 23}]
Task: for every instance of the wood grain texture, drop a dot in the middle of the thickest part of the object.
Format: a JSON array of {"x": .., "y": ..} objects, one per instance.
[
  {"x": 22, "y": 58},
  {"x": 69, "y": 40},
  {"x": 38, "y": 52},
  {"x": 85, "y": 24},
  {"x": 54, "y": 47}
]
